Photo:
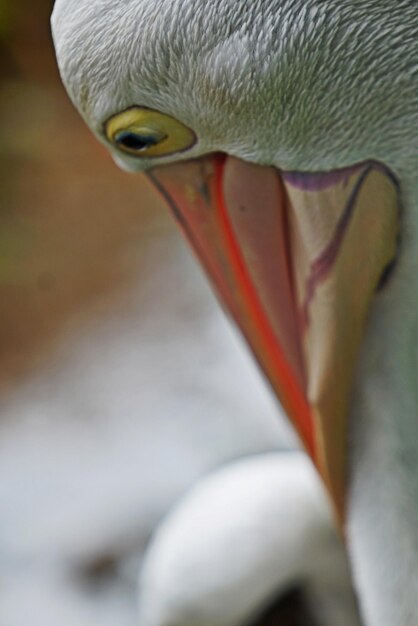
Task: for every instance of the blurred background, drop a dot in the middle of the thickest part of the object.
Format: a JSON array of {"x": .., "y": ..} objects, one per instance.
[{"x": 121, "y": 383}]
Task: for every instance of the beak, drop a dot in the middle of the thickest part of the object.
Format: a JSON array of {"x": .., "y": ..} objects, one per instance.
[{"x": 296, "y": 258}]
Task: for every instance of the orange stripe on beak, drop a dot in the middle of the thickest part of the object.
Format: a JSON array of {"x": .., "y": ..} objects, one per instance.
[{"x": 286, "y": 381}]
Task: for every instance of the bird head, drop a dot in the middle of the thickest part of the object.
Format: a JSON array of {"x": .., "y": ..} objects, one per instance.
[{"x": 276, "y": 134}]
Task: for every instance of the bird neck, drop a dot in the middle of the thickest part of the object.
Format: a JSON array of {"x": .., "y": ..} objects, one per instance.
[{"x": 383, "y": 511}]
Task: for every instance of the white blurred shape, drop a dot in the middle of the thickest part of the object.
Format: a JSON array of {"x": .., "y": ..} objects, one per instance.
[{"x": 241, "y": 537}]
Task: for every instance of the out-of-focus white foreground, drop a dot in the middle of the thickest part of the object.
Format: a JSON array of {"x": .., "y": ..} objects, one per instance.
[{"x": 257, "y": 527}]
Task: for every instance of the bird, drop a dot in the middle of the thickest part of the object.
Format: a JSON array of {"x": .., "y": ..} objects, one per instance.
[{"x": 282, "y": 134}]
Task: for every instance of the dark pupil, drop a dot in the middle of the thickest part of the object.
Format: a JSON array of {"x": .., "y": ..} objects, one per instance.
[{"x": 132, "y": 141}]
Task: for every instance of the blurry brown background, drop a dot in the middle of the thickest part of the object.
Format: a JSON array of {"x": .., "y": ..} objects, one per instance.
[{"x": 69, "y": 220}]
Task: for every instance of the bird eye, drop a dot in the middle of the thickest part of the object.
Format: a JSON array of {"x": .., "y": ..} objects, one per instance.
[
  {"x": 147, "y": 133},
  {"x": 137, "y": 142}
]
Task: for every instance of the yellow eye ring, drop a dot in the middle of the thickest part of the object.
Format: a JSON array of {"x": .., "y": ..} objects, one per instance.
[{"x": 147, "y": 133}]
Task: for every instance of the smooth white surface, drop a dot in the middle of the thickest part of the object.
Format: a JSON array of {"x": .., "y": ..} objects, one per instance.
[{"x": 253, "y": 529}]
